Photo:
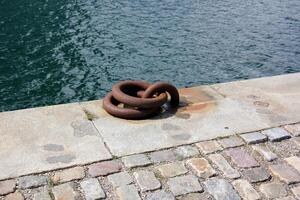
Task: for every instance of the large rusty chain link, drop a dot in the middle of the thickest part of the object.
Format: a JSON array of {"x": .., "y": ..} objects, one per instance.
[{"x": 140, "y": 99}]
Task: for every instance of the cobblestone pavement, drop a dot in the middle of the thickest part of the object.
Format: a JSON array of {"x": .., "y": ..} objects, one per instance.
[{"x": 257, "y": 165}]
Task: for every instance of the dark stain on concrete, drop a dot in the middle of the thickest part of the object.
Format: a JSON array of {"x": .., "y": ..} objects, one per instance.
[
  {"x": 277, "y": 118},
  {"x": 252, "y": 96},
  {"x": 53, "y": 147},
  {"x": 261, "y": 103},
  {"x": 83, "y": 128},
  {"x": 183, "y": 136},
  {"x": 170, "y": 127},
  {"x": 183, "y": 115},
  {"x": 60, "y": 159},
  {"x": 264, "y": 111}
]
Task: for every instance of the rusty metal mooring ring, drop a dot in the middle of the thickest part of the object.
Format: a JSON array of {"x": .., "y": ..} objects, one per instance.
[{"x": 140, "y": 99}]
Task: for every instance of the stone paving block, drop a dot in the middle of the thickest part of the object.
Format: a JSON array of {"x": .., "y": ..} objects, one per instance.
[
  {"x": 104, "y": 168},
  {"x": 285, "y": 173},
  {"x": 7, "y": 186},
  {"x": 265, "y": 152},
  {"x": 172, "y": 169},
  {"x": 184, "y": 184},
  {"x": 221, "y": 189},
  {"x": 296, "y": 191},
  {"x": 68, "y": 175},
  {"x": 186, "y": 152},
  {"x": 224, "y": 166},
  {"x": 241, "y": 158},
  {"x": 287, "y": 198},
  {"x": 245, "y": 189},
  {"x": 64, "y": 191},
  {"x": 137, "y": 160},
  {"x": 42, "y": 195},
  {"x": 161, "y": 156},
  {"x": 296, "y": 140},
  {"x": 14, "y": 196},
  {"x": 273, "y": 190},
  {"x": 294, "y": 161},
  {"x": 276, "y": 134},
  {"x": 32, "y": 181},
  {"x": 92, "y": 189},
  {"x": 254, "y": 137},
  {"x": 201, "y": 167},
  {"x": 230, "y": 142},
  {"x": 127, "y": 192},
  {"x": 257, "y": 174},
  {"x": 160, "y": 195},
  {"x": 119, "y": 179},
  {"x": 207, "y": 147},
  {"x": 196, "y": 196},
  {"x": 294, "y": 129},
  {"x": 146, "y": 180}
]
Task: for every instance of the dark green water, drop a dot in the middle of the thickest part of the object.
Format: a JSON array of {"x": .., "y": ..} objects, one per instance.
[{"x": 64, "y": 51}]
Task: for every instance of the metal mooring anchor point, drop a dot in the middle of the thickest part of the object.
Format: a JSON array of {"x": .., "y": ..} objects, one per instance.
[{"x": 140, "y": 99}]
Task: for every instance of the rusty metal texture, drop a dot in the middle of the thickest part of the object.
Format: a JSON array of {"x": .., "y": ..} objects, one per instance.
[{"x": 140, "y": 99}]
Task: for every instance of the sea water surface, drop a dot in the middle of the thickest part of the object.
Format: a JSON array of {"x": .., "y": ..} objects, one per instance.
[{"x": 61, "y": 51}]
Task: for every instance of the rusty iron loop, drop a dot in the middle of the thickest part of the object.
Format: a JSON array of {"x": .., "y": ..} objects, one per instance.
[
  {"x": 119, "y": 93},
  {"x": 140, "y": 99}
]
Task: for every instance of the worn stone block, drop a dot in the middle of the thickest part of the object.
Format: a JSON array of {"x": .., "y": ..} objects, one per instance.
[
  {"x": 287, "y": 198},
  {"x": 207, "y": 147},
  {"x": 162, "y": 156},
  {"x": 146, "y": 180},
  {"x": 296, "y": 191},
  {"x": 104, "y": 168},
  {"x": 64, "y": 191},
  {"x": 160, "y": 195},
  {"x": 172, "y": 169},
  {"x": 32, "y": 181},
  {"x": 15, "y": 196},
  {"x": 294, "y": 161},
  {"x": 241, "y": 158},
  {"x": 285, "y": 173},
  {"x": 224, "y": 166},
  {"x": 265, "y": 152},
  {"x": 245, "y": 189},
  {"x": 7, "y": 186},
  {"x": 296, "y": 140},
  {"x": 92, "y": 189},
  {"x": 276, "y": 134},
  {"x": 221, "y": 189},
  {"x": 201, "y": 166},
  {"x": 231, "y": 142},
  {"x": 273, "y": 190},
  {"x": 294, "y": 129},
  {"x": 186, "y": 152},
  {"x": 42, "y": 195},
  {"x": 68, "y": 175},
  {"x": 127, "y": 192},
  {"x": 119, "y": 179},
  {"x": 137, "y": 160},
  {"x": 184, "y": 184},
  {"x": 257, "y": 174},
  {"x": 254, "y": 137},
  {"x": 196, "y": 196}
]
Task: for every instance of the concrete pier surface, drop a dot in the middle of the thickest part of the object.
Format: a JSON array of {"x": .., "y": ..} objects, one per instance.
[{"x": 44, "y": 139}]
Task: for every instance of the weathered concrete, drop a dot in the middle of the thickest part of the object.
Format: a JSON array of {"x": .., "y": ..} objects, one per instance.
[
  {"x": 254, "y": 104},
  {"x": 43, "y": 139},
  {"x": 275, "y": 100}
]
